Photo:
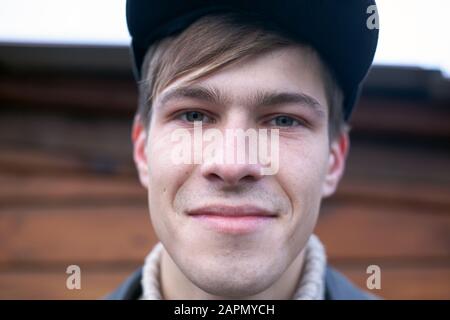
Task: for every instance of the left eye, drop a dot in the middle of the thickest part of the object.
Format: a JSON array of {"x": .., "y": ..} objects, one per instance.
[{"x": 284, "y": 121}]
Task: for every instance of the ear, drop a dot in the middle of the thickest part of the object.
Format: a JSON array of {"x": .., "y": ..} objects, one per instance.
[
  {"x": 138, "y": 137},
  {"x": 337, "y": 157}
]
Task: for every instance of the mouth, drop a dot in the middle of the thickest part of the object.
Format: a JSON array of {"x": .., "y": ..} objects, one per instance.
[{"x": 233, "y": 219}]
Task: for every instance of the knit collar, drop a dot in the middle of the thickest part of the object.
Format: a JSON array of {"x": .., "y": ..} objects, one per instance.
[{"x": 310, "y": 287}]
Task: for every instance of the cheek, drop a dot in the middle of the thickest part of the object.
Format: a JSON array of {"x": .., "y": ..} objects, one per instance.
[
  {"x": 302, "y": 172},
  {"x": 303, "y": 163},
  {"x": 165, "y": 176},
  {"x": 301, "y": 175},
  {"x": 158, "y": 155}
]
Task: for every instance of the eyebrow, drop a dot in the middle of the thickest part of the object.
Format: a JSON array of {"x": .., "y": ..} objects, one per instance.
[{"x": 213, "y": 95}]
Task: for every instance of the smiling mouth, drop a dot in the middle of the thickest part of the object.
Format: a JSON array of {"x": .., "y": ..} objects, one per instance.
[{"x": 233, "y": 219}]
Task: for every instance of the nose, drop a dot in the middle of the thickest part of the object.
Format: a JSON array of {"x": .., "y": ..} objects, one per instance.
[
  {"x": 232, "y": 164},
  {"x": 231, "y": 174},
  {"x": 236, "y": 159}
]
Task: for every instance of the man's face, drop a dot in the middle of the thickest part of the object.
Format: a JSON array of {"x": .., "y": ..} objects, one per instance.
[{"x": 226, "y": 256}]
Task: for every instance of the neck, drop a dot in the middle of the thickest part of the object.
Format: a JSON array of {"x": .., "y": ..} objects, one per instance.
[{"x": 175, "y": 285}]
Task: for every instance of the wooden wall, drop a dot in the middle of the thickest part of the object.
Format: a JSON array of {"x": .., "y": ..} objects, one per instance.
[{"x": 69, "y": 193}]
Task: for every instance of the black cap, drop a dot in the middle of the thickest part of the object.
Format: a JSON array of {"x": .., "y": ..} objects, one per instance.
[{"x": 337, "y": 29}]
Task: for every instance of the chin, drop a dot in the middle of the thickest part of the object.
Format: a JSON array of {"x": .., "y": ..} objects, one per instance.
[
  {"x": 240, "y": 280},
  {"x": 234, "y": 288}
]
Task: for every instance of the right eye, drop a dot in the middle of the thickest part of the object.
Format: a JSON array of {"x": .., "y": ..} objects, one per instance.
[{"x": 192, "y": 116}]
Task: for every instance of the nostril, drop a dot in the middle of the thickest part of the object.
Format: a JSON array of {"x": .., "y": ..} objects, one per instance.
[
  {"x": 214, "y": 176},
  {"x": 249, "y": 178},
  {"x": 230, "y": 174}
]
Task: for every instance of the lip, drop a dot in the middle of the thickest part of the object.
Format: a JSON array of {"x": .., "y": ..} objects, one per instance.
[{"x": 233, "y": 219}]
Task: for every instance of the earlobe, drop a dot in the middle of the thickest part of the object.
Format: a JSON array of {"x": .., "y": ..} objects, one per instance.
[
  {"x": 336, "y": 164},
  {"x": 138, "y": 137}
]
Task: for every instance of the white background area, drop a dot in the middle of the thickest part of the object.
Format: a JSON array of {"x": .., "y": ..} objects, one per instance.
[{"x": 412, "y": 32}]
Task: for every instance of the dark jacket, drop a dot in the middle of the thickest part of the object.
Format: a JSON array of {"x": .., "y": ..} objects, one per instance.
[{"x": 337, "y": 287}]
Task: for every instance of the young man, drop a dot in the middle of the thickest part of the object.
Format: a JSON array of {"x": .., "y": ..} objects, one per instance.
[{"x": 243, "y": 229}]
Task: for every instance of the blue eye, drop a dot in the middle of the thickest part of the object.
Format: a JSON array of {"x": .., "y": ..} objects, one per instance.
[
  {"x": 285, "y": 121},
  {"x": 192, "y": 116}
]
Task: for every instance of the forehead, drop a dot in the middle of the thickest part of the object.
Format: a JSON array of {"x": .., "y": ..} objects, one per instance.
[{"x": 292, "y": 70}]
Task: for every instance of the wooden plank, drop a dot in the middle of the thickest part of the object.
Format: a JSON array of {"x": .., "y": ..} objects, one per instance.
[
  {"x": 379, "y": 231},
  {"x": 404, "y": 281},
  {"x": 394, "y": 192},
  {"x": 49, "y": 284},
  {"x": 84, "y": 234},
  {"x": 69, "y": 190},
  {"x": 424, "y": 118},
  {"x": 32, "y": 162},
  {"x": 76, "y": 136},
  {"x": 412, "y": 163},
  {"x": 123, "y": 232},
  {"x": 62, "y": 92}
]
